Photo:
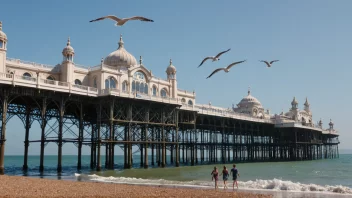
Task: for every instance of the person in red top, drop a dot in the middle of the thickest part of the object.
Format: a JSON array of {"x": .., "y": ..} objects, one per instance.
[{"x": 215, "y": 176}]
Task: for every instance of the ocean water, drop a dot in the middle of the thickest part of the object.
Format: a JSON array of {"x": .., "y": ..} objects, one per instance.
[{"x": 332, "y": 176}]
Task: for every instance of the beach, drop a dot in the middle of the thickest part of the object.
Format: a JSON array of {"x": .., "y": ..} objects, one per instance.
[{"x": 19, "y": 186}]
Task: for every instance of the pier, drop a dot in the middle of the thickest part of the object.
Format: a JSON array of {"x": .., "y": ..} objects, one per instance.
[{"x": 120, "y": 103}]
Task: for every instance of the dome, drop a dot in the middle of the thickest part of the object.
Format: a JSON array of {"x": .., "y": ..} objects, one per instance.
[
  {"x": 171, "y": 69},
  {"x": 249, "y": 100},
  {"x": 68, "y": 50},
  {"x": 294, "y": 101},
  {"x": 2, "y": 34},
  {"x": 120, "y": 57}
]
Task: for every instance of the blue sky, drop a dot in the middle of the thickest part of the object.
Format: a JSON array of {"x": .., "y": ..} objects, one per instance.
[{"x": 310, "y": 38}]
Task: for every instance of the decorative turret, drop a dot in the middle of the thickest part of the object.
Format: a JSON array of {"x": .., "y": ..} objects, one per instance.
[
  {"x": 68, "y": 52},
  {"x": 320, "y": 123},
  {"x": 331, "y": 125},
  {"x": 3, "y": 49},
  {"x": 294, "y": 104},
  {"x": 171, "y": 71},
  {"x": 171, "y": 76},
  {"x": 306, "y": 106},
  {"x": 67, "y": 66}
]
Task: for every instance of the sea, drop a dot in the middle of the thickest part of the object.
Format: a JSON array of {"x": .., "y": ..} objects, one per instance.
[{"x": 317, "y": 178}]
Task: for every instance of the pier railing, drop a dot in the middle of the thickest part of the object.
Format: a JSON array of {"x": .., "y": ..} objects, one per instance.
[{"x": 6, "y": 78}]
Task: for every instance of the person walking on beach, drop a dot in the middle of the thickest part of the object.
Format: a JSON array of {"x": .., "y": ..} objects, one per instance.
[
  {"x": 225, "y": 176},
  {"x": 234, "y": 173},
  {"x": 215, "y": 176}
]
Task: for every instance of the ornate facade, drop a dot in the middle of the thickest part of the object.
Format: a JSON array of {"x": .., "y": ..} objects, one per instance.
[{"x": 120, "y": 74}]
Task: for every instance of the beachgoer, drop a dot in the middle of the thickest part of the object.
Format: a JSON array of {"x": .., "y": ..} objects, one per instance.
[
  {"x": 225, "y": 176},
  {"x": 234, "y": 173},
  {"x": 215, "y": 176}
]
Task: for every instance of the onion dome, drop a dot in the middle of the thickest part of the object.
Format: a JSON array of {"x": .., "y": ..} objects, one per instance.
[
  {"x": 3, "y": 36},
  {"x": 249, "y": 100},
  {"x": 306, "y": 103},
  {"x": 68, "y": 50},
  {"x": 120, "y": 57},
  {"x": 171, "y": 69}
]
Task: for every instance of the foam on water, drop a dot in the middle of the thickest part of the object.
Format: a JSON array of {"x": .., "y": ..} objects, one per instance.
[{"x": 274, "y": 184}]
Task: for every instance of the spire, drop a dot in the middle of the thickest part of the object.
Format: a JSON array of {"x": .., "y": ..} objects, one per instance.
[
  {"x": 249, "y": 90},
  {"x": 0, "y": 25},
  {"x": 68, "y": 41},
  {"x": 140, "y": 60},
  {"x": 170, "y": 61},
  {"x": 121, "y": 42}
]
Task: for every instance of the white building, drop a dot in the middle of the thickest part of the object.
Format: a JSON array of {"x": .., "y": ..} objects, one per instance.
[{"x": 120, "y": 74}]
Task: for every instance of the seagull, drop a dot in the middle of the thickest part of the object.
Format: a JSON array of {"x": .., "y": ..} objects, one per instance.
[
  {"x": 215, "y": 58},
  {"x": 267, "y": 63},
  {"x": 226, "y": 69},
  {"x": 119, "y": 21}
]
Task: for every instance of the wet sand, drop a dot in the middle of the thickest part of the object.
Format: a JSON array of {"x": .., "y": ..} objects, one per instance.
[{"x": 18, "y": 186}]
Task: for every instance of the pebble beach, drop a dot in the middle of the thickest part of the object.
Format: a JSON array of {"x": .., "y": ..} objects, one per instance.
[{"x": 19, "y": 186}]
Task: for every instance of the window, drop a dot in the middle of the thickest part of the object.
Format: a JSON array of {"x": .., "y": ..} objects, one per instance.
[
  {"x": 78, "y": 82},
  {"x": 139, "y": 83},
  {"x": 27, "y": 75},
  {"x": 163, "y": 93},
  {"x": 95, "y": 85},
  {"x": 1, "y": 44},
  {"x": 154, "y": 91},
  {"x": 146, "y": 89},
  {"x": 124, "y": 86},
  {"x": 183, "y": 100},
  {"x": 190, "y": 102},
  {"x": 110, "y": 83},
  {"x": 50, "y": 78}
]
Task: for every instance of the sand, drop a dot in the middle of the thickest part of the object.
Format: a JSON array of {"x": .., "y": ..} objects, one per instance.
[{"x": 18, "y": 186}]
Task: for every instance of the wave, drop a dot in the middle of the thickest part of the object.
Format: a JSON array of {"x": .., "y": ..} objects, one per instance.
[{"x": 258, "y": 184}]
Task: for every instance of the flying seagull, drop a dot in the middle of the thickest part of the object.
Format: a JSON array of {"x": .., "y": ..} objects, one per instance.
[
  {"x": 119, "y": 21},
  {"x": 214, "y": 58},
  {"x": 269, "y": 63},
  {"x": 226, "y": 69}
]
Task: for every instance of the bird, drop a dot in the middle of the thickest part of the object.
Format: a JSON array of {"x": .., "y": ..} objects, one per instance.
[
  {"x": 269, "y": 63},
  {"x": 215, "y": 58},
  {"x": 121, "y": 22},
  {"x": 226, "y": 69}
]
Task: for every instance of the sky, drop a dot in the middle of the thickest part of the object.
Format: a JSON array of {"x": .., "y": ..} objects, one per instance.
[{"x": 310, "y": 38}]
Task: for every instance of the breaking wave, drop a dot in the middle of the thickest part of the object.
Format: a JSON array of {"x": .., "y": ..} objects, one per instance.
[{"x": 274, "y": 184}]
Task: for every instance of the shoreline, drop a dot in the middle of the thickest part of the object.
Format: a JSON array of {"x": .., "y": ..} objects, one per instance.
[{"x": 21, "y": 186}]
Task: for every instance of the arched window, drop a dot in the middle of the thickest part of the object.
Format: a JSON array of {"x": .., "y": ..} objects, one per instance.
[
  {"x": 190, "y": 102},
  {"x": 183, "y": 100},
  {"x": 27, "y": 74},
  {"x": 1, "y": 44},
  {"x": 139, "y": 83},
  {"x": 154, "y": 90},
  {"x": 163, "y": 93},
  {"x": 95, "y": 85},
  {"x": 50, "y": 78},
  {"x": 110, "y": 83},
  {"x": 124, "y": 86},
  {"x": 78, "y": 82}
]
